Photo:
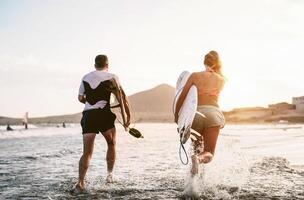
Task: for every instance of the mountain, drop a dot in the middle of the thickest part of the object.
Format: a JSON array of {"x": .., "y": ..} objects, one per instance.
[{"x": 153, "y": 105}]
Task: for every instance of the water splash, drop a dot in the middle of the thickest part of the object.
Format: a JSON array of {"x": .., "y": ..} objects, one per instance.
[
  {"x": 221, "y": 178},
  {"x": 43, "y": 164}
]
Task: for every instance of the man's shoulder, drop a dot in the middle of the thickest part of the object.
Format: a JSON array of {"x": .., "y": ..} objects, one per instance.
[
  {"x": 100, "y": 75},
  {"x": 88, "y": 75},
  {"x": 112, "y": 75},
  {"x": 96, "y": 73}
]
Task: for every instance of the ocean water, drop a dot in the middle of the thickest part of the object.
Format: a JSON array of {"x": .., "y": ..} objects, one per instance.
[{"x": 251, "y": 162}]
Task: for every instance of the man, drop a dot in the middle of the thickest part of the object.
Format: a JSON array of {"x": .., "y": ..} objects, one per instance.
[
  {"x": 97, "y": 117},
  {"x": 25, "y": 120}
]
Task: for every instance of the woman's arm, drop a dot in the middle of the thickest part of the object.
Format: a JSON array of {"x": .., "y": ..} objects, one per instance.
[{"x": 183, "y": 95}]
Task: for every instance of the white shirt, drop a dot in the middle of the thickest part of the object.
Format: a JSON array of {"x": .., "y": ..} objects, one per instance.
[{"x": 94, "y": 78}]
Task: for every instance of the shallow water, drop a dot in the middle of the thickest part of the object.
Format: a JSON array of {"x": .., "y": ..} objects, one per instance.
[{"x": 251, "y": 162}]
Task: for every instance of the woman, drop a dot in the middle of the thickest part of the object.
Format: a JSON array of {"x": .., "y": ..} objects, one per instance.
[{"x": 209, "y": 84}]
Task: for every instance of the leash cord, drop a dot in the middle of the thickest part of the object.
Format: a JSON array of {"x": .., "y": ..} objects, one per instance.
[{"x": 180, "y": 154}]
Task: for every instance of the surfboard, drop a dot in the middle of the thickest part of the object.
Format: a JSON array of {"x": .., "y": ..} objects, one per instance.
[{"x": 188, "y": 110}]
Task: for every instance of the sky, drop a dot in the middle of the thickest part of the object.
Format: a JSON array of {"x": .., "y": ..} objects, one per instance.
[{"x": 47, "y": 46}]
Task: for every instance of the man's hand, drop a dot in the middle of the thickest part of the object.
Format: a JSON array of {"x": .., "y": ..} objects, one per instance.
[
  {"x": 82, "y": 98},
  {"x": 127, "y": 124},
  {"x": 128, "y": 120}
]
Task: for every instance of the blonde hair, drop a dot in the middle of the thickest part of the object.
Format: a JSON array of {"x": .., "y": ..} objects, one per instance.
[{"x": 212, "y": 60}]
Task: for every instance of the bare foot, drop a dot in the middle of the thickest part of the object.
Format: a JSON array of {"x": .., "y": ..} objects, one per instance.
[
  {"x": 78, "y": 188},
  {"x": 205, "y": 157},
  {"x": 194, "y": 167},
  {"x": 109, "y": 178}
]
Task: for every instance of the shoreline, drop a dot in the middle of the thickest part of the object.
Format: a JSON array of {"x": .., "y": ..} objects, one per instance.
[
  {"x": 232, "y": 117},
  {"x": 158, "y": 122}
]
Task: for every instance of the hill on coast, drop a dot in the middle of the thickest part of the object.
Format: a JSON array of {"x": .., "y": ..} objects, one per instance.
[{"x": 155, "y": 105}]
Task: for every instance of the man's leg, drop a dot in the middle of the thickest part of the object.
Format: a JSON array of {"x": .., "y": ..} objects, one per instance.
[
  {"x": 110, "y": 136},
  {"x": 88, "y": 146}
]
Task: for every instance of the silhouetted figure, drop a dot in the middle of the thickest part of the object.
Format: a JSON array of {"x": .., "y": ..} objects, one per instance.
[
  {"x": 63, "y": 124},
  {"x": 25, "y": 120},
  {"x": 9, "y": 128}
]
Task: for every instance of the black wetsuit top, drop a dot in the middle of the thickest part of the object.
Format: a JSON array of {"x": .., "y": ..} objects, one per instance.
[{"x": 101, "y": 92}]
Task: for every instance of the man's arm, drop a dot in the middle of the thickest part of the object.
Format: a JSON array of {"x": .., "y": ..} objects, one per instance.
[
  {"x": 127, "y": 107},
  {"x": 81, "y": 93},
  {"x": 121, "y": 97}
]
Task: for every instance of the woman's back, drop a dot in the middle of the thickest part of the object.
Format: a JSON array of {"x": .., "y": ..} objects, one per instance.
[{"x": 209, "y": 84}]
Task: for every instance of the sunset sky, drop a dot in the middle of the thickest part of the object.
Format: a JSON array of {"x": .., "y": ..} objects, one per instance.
[{"x": 47, "y": 46}]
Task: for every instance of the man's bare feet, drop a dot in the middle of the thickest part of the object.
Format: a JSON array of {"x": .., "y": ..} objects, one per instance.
[
  {"x": 109, "y": 178},
  {"x": 78, "y": 188},
  {"x": 194, "y": 167},
  {"x": 205, "y": 157}
]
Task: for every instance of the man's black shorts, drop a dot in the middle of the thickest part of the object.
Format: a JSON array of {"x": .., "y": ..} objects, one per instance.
[{"x": 97, "y": 120}]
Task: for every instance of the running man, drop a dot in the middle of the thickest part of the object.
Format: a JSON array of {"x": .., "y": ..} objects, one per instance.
[{"x": 97, "y": 117}]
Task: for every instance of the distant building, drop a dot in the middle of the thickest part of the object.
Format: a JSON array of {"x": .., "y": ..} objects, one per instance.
[
  {"x": 249, "y": 109},
  {"x": 251, "y": 112},
  {"x": 279, "y": 107},
  {"x": 299, "y": 103}
]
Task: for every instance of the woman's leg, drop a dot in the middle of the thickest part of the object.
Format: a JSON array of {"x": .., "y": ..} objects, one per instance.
[
  {"x": 210, "y": 136},
  {"x": 198, "y": 146}
]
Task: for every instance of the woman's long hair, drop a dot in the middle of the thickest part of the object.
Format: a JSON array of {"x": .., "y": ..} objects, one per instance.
[{"x": 212, "y": 60}]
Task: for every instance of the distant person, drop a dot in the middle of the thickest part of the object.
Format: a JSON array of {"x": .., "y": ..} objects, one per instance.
[
  {"x": 9, "y": 128},
  {"x": 209, "y": 84},
  {"x": 97, "y": 117},
  {"x": 25, "y": 120},
  {"x": 63, "y": 124}
]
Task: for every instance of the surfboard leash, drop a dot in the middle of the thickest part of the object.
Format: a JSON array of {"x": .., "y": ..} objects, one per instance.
[
  {"x": 180, "y": 154},
  {"x": 181, "y": 144}
]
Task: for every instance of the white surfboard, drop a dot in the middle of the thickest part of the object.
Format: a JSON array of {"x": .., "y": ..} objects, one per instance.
[{"x": 188, "y": 110}]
